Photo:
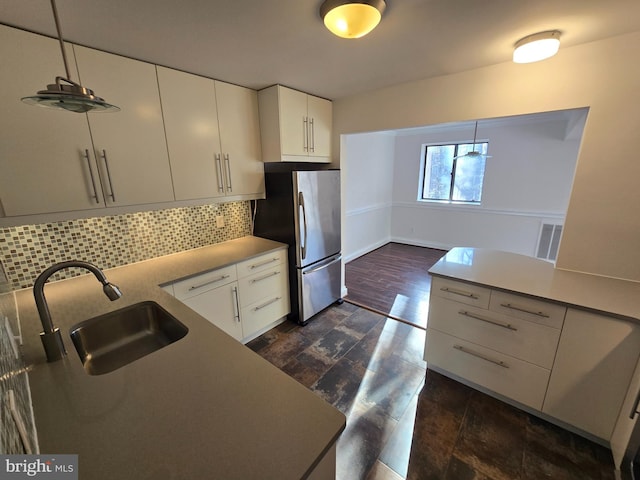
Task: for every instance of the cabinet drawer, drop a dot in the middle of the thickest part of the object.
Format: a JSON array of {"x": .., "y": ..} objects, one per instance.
[
  {"x": 521, "y": 339},
  {"x": 262, "y": 284},
  {"x": 461, "y": 292},
  {"x": 521, "y": 381},
  {"x": 263, "y": 313},
  {"x": 261, "y": 263},
  {"x": 519, "y": 306},
  {"x": 203, "y": 282}
]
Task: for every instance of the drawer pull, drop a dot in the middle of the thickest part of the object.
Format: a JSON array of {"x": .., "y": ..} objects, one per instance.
[
  {"x": 262, "y": 264},
  {"x": 266, "y": 304},
  {"x": 459, "y": 292},
  {"x": 500, "y": 363},
  {"x": 508, "y": 326},
  {"x": 200, "y": 285},
  {"x": 264, "y": 277},
  {"x": 521, "y": 309}
]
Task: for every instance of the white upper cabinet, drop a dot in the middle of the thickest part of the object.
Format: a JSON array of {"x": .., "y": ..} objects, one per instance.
[
  {"x": 213, "y": 136},
  {"x": 44, "y": 166},
  {"x": 130, "y": 145},
  {"x": 239, "y": 125},
  {"x": 295, "y": 126},
  {"x": 193, "y": 139}
]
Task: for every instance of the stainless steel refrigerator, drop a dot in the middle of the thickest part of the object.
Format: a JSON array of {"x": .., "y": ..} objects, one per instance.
[{"x": 302, "y": 209}]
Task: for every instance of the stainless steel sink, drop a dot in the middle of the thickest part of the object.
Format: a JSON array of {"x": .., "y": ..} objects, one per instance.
[{"x": 111, "y": 341}]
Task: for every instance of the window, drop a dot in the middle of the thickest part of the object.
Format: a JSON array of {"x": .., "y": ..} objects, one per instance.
[{"x": 447, "y": 178}]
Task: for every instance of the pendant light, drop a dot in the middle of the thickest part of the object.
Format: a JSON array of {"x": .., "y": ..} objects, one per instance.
[
  {"x": 474, "y": 152},
  {"x": 66, "y": 94},
  {"x": 351, "y": 19}
]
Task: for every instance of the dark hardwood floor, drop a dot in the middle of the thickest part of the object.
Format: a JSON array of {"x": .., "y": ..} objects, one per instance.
[
  {"x": 393, "y": 280},
  {"x": 405, "y": 421}
]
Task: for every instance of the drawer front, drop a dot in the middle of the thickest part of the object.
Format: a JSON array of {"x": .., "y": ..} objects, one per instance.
[
  {"x": 261, "y": 263},
  {"x": 263, "y": 313},
  {"x": 263, "y": 284},
  {"x": 521, "y": 381},
  {"x": 204, "y": 282},
  {"x": 518, "y": 338},
  {"x": 461, "y": 292},
  {"x": 519, "y": 306}
]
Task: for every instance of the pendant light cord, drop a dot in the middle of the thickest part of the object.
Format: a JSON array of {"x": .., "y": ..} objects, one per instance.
[{"x": 64, "y": 54}]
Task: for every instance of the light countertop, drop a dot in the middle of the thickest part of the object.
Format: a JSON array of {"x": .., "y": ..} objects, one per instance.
[
  {"x": 203, "y": 407},
  {"x": 538, "y": 278}
]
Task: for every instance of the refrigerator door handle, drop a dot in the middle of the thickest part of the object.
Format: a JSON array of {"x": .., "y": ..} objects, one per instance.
[
  {"x": 303, "y": 243},
  {"x": 335, "y": 259}
]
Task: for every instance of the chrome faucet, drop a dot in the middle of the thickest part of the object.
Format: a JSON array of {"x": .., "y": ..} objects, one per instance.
[{"x": 50, "y": 336}]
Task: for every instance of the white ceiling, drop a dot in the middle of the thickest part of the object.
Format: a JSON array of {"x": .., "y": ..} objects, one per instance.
[{"x": 257, "y": 43}]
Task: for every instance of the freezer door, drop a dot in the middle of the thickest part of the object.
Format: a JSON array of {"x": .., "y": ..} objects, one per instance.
[
  {"x": 317, "y": 215},
  {"x": 319, "y": 287}
]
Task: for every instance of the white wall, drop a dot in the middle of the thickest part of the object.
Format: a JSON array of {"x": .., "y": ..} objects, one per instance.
[
  {"x": 527, "y": 180},
  {"x": 367, "y": 191},
  {"x": 602, "y": 228}
]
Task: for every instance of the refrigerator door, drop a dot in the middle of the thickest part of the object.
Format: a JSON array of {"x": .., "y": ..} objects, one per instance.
[
  {"x": 317, "y": 215},
  {"x": 319, "y": 287}
]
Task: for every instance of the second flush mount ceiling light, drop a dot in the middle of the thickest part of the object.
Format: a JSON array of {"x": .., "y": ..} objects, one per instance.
[
  {"x": 536, "y": 47},
  {"x": 351, "y": 19}
]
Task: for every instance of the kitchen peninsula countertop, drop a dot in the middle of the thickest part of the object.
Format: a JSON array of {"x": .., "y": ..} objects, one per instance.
[
  {"x": 530, "y": 276},
  {"x": 203, "y": 407}
]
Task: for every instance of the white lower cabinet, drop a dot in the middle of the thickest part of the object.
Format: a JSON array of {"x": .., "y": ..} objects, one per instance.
[
  {"x": 485, "y": 343},
  {"x": 594, "y": 364},
  {"x": 219, "y": 306},
  {"x": 572, "y": 365},
  {"x": 245, "y": 299}
]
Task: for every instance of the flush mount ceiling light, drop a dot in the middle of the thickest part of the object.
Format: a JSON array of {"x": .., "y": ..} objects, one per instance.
[
  {"x": 66, "y": 94},
  {"x": 536, "y": 47},
  {"x": 351, "y": 19}
]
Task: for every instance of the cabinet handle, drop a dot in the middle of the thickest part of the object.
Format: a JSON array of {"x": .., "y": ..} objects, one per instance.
[
  {"x": 106, "y": 165},
  {"x": 228, "y": 164},
  {"x": 200, "y": 285},
  {"x": 264, "y": 277},
  {"x": 266, "y": 304},
  {"x": 262, "y": 264},
  {"x": 459, "y": 292},
  {"x": 219, "y": 169},
  {"x": 313, "y": 135},
  {"x": 521, "y": 309},
  {"x": 508, "y": 326},
  {"x": 93, "y": 180},
  {"x": 500, "y": 363},
  {"x": 236, "y": 314},
  {"x": 305, "y": 134}
]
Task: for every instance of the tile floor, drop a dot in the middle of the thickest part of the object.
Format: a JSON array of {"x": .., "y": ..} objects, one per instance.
[{"x": 407, "y": 422}]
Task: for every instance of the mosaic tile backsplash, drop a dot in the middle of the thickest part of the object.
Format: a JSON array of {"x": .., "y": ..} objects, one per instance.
[
  {"x": 13, "y": 378},
  {"x": 118, "y": 240}
]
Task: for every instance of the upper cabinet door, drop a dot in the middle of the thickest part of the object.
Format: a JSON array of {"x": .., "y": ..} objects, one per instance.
[
  {"x": 239, "y": 125},
  {"x": 191, "y": 125},
  {"x": 294, "y": 124},
  {"x": 320, "y": 121},
  {"x": 130, "y": 145},
  {"x": 43, "y": 162}
]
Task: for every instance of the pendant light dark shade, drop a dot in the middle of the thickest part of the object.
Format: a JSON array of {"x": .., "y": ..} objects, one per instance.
[{"x": 66, "y": 94}]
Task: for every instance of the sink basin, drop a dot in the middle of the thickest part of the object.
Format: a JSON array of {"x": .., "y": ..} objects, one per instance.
[{"x": 111, "y": 341}]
